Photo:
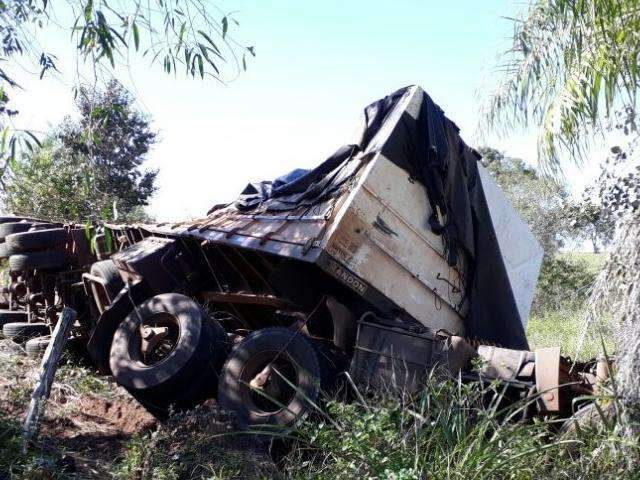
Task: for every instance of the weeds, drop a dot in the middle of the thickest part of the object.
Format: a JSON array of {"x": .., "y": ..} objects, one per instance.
[
  {"x": 563, "y": 328},
  {"x": 449, "y": 431},
  {"x": 35, "y": 465},
  {"x": 196, "y": 445},
  {"x": 83, "y": 381}
]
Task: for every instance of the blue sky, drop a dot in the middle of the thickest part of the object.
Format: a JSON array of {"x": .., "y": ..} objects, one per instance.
[{"x": 318, "y": 64}]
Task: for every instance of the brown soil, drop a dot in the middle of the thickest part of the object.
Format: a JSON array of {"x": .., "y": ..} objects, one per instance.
[
  {"x": 124, "y": 415},
  {"x": 92, "y": 429}
]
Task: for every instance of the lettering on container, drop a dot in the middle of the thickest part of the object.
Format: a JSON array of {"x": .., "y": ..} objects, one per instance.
[{"x": 347, "y": 277}]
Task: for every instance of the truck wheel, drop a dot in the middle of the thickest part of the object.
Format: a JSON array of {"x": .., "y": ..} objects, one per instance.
[
  {"x": 45, "y": 260},
  {"x": 53, "y": 238},
  {"x": 12, "y": 316},
  {"x": 4, "y": 253},
  {"x": 168, "y": 352},
  {"x": 13, "y": 227},
  {"x": 104, "y": 294},
  {"x": 257, "y": 379},
  {"x": 22, "y": 331},
  {"x": 35, "y": 347}
]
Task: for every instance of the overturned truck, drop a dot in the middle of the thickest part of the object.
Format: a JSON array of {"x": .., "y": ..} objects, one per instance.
[{"x": 396, "y": 254}]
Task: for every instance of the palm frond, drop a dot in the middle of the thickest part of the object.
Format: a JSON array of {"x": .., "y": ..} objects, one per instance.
[{"x": 570, "y": 62}]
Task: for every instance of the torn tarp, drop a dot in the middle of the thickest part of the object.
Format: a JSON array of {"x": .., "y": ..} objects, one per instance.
[{"x": 301, "y": 187}]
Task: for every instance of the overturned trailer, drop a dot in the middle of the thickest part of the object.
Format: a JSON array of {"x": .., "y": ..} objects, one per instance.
[{"x": 397, "y": 253}]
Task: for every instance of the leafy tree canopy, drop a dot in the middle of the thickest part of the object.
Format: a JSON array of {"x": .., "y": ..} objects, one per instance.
[{"x": 90, "y": 168}]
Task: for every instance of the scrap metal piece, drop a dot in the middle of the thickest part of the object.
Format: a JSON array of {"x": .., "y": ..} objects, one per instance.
[
  {"x": 503, "y": 363},
  {"x": 458, "y": 353},
  {"x": 548, "y": 377}
]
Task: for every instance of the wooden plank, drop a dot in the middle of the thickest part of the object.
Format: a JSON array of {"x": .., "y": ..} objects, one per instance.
[{"x": 48, "y": 369}]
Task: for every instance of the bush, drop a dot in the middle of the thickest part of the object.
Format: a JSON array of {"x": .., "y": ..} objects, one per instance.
[{"x": 564, "y": 283}]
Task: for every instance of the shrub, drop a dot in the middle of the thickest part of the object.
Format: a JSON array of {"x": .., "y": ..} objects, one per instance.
[{"x": 564, "y": 283}]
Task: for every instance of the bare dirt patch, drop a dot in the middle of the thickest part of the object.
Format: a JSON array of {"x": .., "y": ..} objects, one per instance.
[{"x": 90, "y": 429}]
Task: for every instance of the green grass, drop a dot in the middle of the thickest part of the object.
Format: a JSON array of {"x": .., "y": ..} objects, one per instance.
[
  {"x": 448, "y": 430},
  {"x": 35, "y": 465},
  {"x": 451, "y": 430},
  {"x": 564, "y": 329},
  {"x": 557, "y": 317},
  {"x": 593, "y": 261}
]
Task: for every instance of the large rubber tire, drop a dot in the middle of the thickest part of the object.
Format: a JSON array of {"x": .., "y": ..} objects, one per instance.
[
  {"x": 587, "y": 418},
  {"x": 188, "y": 374},
  {"x": 21, "y": 331},
  {"x": 45, "y": 260},
  {"x": 13, "y": 227},
  {"x": 250, "y": 357},
  {"x": 35, "y": 347},
  {"x": 53, "y": 238},
  {"x": 14, "y": 219},
  {"x": 4, "y": 253},
  {"x": 106, "y": 270},
  {"x": 12, "y": 316}
]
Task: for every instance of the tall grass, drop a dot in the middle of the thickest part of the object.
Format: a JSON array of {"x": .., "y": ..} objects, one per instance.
[
  {"x": 453, "y": 430},
  {"x": 448, "y": 430}
]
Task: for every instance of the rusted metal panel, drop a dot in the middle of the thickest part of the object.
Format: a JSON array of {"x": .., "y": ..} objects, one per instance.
[
  {"x": 280, "y": 234},
  {"x": 245, "y": 298}
]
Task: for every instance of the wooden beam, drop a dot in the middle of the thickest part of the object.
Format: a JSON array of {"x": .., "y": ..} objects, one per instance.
[{"x": 48, "y": 369}]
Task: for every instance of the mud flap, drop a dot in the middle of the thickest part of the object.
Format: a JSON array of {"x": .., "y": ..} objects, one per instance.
[{"x": 100, "y": 342}]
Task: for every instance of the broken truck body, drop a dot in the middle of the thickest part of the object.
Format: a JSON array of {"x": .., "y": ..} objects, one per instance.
[{"x": 379, "y": 261}]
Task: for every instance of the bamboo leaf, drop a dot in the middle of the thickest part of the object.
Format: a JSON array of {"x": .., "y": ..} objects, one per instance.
[
  {"x": 225, "y": 26},
  {"x": 136, "y": 35}
]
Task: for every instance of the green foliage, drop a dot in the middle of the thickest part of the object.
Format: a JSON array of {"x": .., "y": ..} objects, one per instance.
[
  {"x": 191, "y": 36},
  {"x": 564, "y": 283},
  {"x": 49, "y": 184},
  {"x": 114, "y": 138},
  {"x": 450, "y": 430},
  {"x": 569, "y": 63},
  {"x": 88, "y": 169}
]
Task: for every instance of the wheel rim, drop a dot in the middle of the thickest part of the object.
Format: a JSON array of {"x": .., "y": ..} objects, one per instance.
[
  {"x": 269, "y": 382},
  {"x": 156, "y": 338}
]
